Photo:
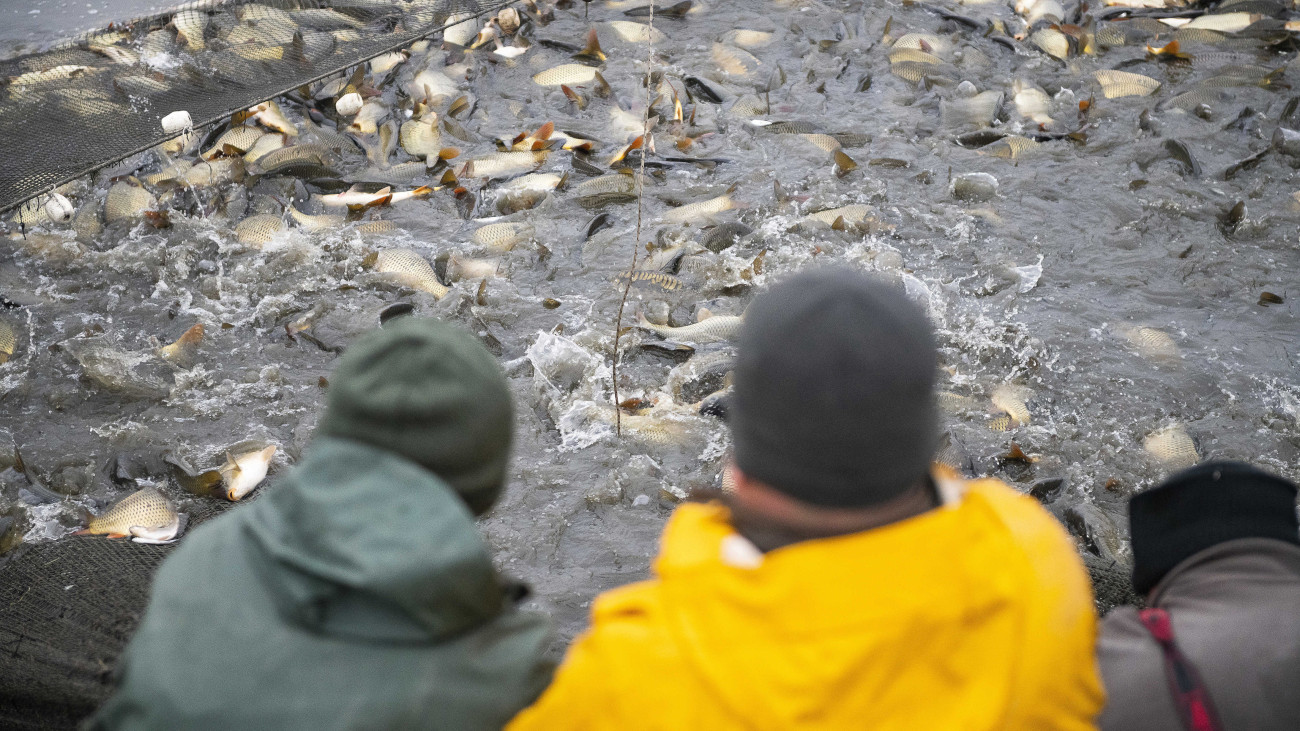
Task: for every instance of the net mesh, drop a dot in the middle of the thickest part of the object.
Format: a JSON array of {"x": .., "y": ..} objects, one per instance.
[
  {"x": 71, "y": 110},
  {"x": 66, "y": 611}
]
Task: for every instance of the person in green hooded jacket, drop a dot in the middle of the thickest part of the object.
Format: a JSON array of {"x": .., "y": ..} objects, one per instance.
[{"x": 357, "y": 593}]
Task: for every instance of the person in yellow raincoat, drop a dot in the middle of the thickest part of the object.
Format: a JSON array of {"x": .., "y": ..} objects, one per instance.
[{"x": 843, "y": 583}]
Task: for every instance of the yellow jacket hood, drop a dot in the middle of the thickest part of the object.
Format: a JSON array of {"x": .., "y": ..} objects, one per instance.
[{"x": 975, "y": 615}]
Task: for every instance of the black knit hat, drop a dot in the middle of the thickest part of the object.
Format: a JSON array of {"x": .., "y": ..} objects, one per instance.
[
  {"x": 834, "y": 390},
  {"x": 432, "y": 393},
  {"x": 1201, "y": 507}
]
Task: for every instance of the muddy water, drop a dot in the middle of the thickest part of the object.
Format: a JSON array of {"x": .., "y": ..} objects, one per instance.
[{"x": 1034, "y": 287}]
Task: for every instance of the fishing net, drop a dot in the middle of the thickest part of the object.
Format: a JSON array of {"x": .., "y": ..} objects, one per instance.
[
  {"x": 87, "y": 103},
  {"x": 66, "y": 611}
]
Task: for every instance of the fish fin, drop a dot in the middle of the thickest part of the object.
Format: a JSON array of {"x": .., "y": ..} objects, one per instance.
[
  {"x": 592, "y": 49},
  {"x": 152, "y": 542},
  {"x": 421, "y": 192},
  {"x": 231, "y": 465},
  {"x": 448, "y": 177},
  {"x": 704, "y": 314},
  {"x": 603, "y": 88},
  {"x": 449, "y": 153},
  {"x": 116, "y": 535},
  {"x": 545, "y": 131},
  {"x": 838, "y": 224}
]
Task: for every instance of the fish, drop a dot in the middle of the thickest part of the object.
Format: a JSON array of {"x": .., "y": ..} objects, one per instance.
[
  {"x": 913, "y": 55},
  {"x": 244, "y": 470},
  {"x": 1011, "y": 400},
  {"x": 1152, "y": 343},
  {"x": 409, "y": 268},
  {"x": 568, "y": 74},
  {"x": 636, "y": 32},
  {"x": 1225, "y": 22},
  {"x": 421, "y": 137},
  {"x": 693, "y": 212},
  {"x": 368, "y": 118},
  {"x": 1052, "y": 42},
  {"x": 852, "y": 215},
  {"x": 264, "y": 146},
  {"x": 386, "y": 62},
  {"x": 1011, "y": 146},
  {"x": 1119, "y": 84},
  {"x": 7, "y": 342},
  {"x": 316, "y": 223},
  {"x": 747, "y": 39},
  {"x": 190, "y": 25},
  {"x": 710, "y": 329},
  {"x": 357, "y": 199},
  {"x": 1172, "y": 446},
  {"x": 503, "y": 236},
  {"x": 459, "y": 268},
  {"x": 147, "y": 516},
  {"x": 461, "y": 29},
  {"x": 258, "y": 230},
  {"x": 678, "y": 10},
  {"x": 649, "y": 276},
  {"x": 503, "y": 164},
  {"x": 955, "y": 403},
  {"x": 183, "y": 350},
  {"x": 734, "y": 61},
  {"x": 241, "y": 138},
  {"x": 1031, "y": 102},
  {"x": 126, "y": 201},
  {"x": 269, "y": 115},
  {"x": 432, "y": 87}
]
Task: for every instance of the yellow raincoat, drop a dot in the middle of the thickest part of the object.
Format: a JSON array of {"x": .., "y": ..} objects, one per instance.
[{"x": 976, "y": 615}]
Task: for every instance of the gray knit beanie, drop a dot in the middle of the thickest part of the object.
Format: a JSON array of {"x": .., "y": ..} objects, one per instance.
[
  {"x": 433, "y": 394},
  {"x": 834, "y": 402}
]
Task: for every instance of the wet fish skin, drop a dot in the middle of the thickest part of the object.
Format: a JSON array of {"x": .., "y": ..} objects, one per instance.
[
  {"x": 409, "y": 268},
  {"x": 183, "y": 350},
  {"x": 245, "y": 470},
  {"x": 7, "y": 342},
  {"x": 503, "y": 236},
  {"x": 126, "y": 201},
  {"x": 712, "y": 329},
  {"x": 146, "y": 515},
  {"x": 693, "y": 211},
  {"x": 1172, "y": 446},
  {"x": 258, "y": 230},
  {"x": 649, "y": 276}
]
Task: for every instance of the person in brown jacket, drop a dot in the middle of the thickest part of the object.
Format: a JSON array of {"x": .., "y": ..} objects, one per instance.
[{"x": 1216, "y": 552}]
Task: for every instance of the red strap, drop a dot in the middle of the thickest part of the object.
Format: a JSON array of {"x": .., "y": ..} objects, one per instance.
[{"x": 1191, "y": 697}]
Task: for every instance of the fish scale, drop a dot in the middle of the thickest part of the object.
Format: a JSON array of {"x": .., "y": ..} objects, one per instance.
[
  {"x": 7, "y": 341},
  {"x": 258, "y": 230},
  {"x": 146, "y": 513},
  {"x": 709, "y": 330},
  {"x": 126, "y": 201},
  {"x": 410, "y": 268},
  {"x": 503, "y": 236},
  {"x": 1173, "y": 446}
]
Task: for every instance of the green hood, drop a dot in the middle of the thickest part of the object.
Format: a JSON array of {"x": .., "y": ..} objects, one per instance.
[{"x": 360, "y": 543}]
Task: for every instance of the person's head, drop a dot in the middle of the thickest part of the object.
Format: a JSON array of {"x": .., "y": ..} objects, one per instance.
[
  {"x": 834, "y": 405},
  {"x": 1202, "y": 507},
  {"x": 430, "y": 392}
]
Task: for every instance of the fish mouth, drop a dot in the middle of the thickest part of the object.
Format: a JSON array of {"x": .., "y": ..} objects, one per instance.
[{"x": 233, "y": 496}]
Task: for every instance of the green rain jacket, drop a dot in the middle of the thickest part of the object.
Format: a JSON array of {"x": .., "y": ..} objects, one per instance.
[{"x": 356, "y": 594}]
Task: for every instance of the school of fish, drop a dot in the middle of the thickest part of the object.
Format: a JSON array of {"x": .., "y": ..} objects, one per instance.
[{"x": 1094, "y": 204}]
